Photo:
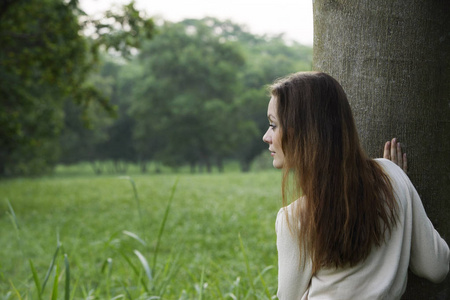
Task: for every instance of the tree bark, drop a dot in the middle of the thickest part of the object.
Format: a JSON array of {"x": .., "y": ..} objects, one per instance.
[{"x": 393, "y": 60}]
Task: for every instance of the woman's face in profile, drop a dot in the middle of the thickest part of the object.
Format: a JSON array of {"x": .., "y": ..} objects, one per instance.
[{"x": 273, "y": 135}]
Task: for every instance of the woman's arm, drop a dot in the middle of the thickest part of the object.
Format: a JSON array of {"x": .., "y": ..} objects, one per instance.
[
  {"x": 393, "y": 152},
  {"x": 294, "y": 272},
  {"x": 430, "y": 253}
]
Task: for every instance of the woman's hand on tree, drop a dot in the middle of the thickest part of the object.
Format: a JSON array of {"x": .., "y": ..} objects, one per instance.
[{"x": 393, "y": 152}]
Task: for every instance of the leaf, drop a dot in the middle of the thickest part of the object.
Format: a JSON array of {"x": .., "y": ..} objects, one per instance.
[
  {"x": 15, "y": 290},
  {"x": 136, "y": 197},
  {"x": 144, "y": 264},
  {"x": 52, "y": 263},
  {"x": 13, "y": 214},
  {"x": 136, "y": 271},
  {"x": 163, "y": 223},
  {"x": 134, "y": 236},
  {"x": 35, "y": 278},
  {"x": 67, "y": 285},
  {"x": 200, "y": 296},
  {"x": 54, "y": 295},
  {"x": 107, "y": 262}
]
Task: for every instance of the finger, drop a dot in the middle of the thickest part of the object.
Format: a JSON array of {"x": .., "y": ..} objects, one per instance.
[
  {"x": 387, "y": 150},
  {"x": 394, "y": 150},
  {"x": 405, "y": 163}
]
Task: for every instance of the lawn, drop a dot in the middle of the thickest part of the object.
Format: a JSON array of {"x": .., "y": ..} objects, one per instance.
[{"x": 92, "y": 237}]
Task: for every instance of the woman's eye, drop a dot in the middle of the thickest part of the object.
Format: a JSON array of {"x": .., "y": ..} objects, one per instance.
[{"x": 273, "y": 126}]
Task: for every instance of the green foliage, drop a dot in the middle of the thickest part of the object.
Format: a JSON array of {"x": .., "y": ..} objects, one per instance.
[
  {"x": 214, "y": 240},
  {"x": 41, "y": 59},
  {"x": 200, "y": 97},
  {"x": 193, "y": 95},
  {"x": 190, "y": 82},
  {"x": 44, "y": 60},
  {"x": 122, "y": 30},
  {"x": 89, "y": 132}
]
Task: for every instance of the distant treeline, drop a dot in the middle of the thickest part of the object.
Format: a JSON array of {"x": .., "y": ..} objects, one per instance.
[{"x": 188, "y": 93}]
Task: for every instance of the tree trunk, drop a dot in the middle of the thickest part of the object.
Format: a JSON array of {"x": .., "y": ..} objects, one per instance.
[
  {"x": 393, "y": 60},
  {"x": 192, "y": 166},
  {"x": 97, "y": 167},
  {"x": 245, "y": 166},
  {"x": 220, "y": 165},
  {"x": 143, "y": 166}
]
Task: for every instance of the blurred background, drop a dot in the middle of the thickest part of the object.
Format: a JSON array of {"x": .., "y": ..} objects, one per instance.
[{"x": 114, "y": 86}]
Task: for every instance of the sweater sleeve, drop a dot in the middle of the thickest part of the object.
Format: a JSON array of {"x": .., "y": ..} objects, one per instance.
[
  {"x": 430, "y": 254},
  {"x": 293, "y": 276}
]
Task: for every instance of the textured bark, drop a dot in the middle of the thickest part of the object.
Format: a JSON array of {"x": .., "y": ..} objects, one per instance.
[{"x": 393, "y": 60}]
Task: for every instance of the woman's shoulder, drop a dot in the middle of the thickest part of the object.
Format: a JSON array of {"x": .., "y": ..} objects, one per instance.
[
  {"x": 293, "y": 206},
  {"x": 390, "y": 168},
  {"x": 289, "y": 214},
  {"x": 384, "y": 162},
  {"x": 397, "y": 177}
]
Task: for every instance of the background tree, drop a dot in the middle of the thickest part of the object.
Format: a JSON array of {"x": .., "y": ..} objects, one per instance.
[
  {"x": 90, "y": 134},
  {"x": 118, "y": 147},
  {"x": 393, "y": 60},
  {"x": 190, "y": 79},
  {"x": 44, "y": 60},
  {"x": 201, "y": 96},
  {"x": 195, "y": 96},
  {"x": 267, "y": 58}
]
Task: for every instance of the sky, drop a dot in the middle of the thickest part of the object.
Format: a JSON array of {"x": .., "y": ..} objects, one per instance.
[{"x": 291, "y": 17}]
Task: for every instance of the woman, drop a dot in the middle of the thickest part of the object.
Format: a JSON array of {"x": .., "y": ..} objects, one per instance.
[{"x": 355, "y": 224}]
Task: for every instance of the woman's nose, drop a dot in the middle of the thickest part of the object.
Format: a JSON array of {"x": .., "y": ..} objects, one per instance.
[{"x": 266, "y": 137}]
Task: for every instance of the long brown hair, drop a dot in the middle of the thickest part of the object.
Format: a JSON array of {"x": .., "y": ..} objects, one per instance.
[{"x": 347, "y": 202}]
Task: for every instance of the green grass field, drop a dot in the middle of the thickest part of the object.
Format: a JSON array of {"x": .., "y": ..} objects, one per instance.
[{"x": 88, "y": 237}]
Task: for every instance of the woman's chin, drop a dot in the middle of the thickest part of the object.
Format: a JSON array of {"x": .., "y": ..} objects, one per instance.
[{"x": 277, "y": 165}]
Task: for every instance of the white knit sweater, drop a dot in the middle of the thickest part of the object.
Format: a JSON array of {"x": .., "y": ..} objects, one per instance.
[{"x": 414, "y": 243}]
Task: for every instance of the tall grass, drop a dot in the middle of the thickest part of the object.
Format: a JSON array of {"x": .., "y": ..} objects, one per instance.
[{"x": 162, "y": 237}]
